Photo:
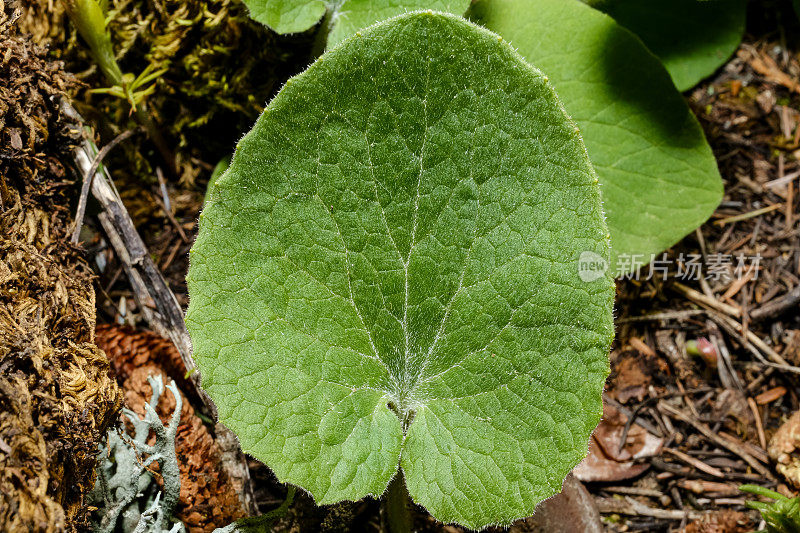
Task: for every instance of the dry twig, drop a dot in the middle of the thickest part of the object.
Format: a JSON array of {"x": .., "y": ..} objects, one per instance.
[
  {"x": 734, "y": 447},
  {"x": 157, "y": 301}
]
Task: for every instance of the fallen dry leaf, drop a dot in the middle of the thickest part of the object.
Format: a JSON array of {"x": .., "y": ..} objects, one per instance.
[
  {"x": 631, "y": 376},
  {"x": 606, "y": 462},
  {"x": 783, "y": 449}
]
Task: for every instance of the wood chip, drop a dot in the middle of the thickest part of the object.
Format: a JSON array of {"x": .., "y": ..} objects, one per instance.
[
  {"x": 770, "y": 395},
  {"x": 698, "y": 464}
]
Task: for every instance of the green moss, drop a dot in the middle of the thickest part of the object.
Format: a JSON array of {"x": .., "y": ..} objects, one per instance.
[{"x": 221, "y": 68}]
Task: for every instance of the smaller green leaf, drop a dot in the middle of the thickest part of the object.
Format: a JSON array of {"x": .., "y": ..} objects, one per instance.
[
  {"x": 345, "y": 17},
  {"x": 286, "y": 16},
  {"x": 219, "y": 170},
  {"x": 658, "y": 175},
  {"x": 692, "y": 38},
  {"x": 353, "y": 15}
]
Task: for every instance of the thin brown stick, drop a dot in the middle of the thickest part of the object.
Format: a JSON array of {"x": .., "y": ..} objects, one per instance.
[
  {"x": 762, "y": 438},
  {"x": 634, "y": 491},
  {"x": 701, "y": 486},
  {"x": 716, "y": 439},
  {"x": 88, "y": 178},
  {"x": 737, "y": 285},
  {"x": 666, "y": 315},
  {"x": 750, "y": 448},
  {"x": 686, "y": 398},
  {"x": 633, "y": 415},
  {"x": 745, "y": 216},
  {"x": 727, "y": 374},
  {"x": 166, "y": 205},
  {"x": 784, "y": 180},
  {"x": 777, "y": 306},
  {"x": 627, "y": 412},
  {"x": 171, "y": 257},
  {"x": 631, "y": 507},
  {"x": 698, "y": 464},
  {"x": 702, "y": 299},
  {"x": 751, "y": 340}
]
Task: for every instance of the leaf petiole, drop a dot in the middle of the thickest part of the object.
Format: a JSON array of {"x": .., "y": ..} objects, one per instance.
[{"x": 397, "y": 507}]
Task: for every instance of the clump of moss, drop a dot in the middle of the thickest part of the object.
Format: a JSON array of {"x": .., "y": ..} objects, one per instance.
[
  {"x": 57, "y": 398},
  {"x": 221, "y": 68}
]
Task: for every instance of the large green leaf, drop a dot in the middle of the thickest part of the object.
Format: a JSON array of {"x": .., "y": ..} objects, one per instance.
[
  {"x": 396, "y": 243},
  {"x": 343, "y": 17},
  {"x": 658, "y": 176},
  {"x": 692, "y": 38}
]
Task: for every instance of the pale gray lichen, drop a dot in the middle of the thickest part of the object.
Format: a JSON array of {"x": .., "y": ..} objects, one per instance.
[{"x": 126, "y": 493}]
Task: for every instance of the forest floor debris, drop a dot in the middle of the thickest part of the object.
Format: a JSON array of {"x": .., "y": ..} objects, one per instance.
[{"x": 703, "y": 365}]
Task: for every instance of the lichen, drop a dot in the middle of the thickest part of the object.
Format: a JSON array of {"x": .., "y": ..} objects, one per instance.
[
  {"x": 210, "y": 498},
  {"x": 126, "y": 493}
]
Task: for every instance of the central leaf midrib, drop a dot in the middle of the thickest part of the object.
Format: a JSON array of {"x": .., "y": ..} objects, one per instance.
[
  {"x": 405, "y": 388},
  {"x": 406, "y": 385},
  {"x": 403, "y": 384}
]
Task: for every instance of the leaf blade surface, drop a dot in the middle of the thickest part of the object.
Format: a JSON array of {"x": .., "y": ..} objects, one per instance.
[
  {"x": 692, "y": 38},
  {"x": 395, "y": 244},
  {"x": 659, "y": 178}
]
